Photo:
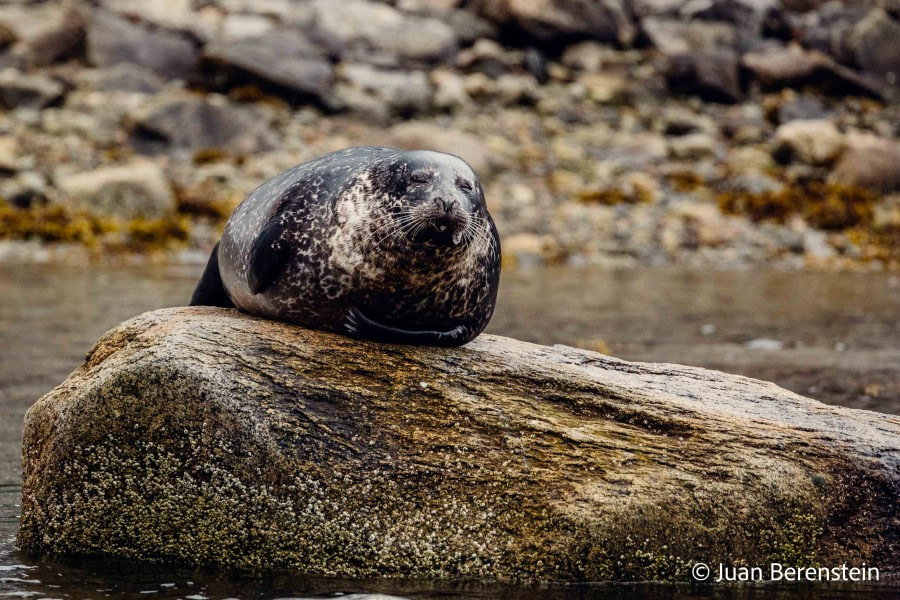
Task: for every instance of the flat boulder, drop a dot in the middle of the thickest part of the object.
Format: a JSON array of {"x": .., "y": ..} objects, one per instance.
[
  {"x": 207, "y": 436},
  {"x": 191, "y": 122},
  {"x": 283, "y": 59},
  {"x": 21, "y": 90},
  {"x": 113, "y": 39},
  {"x": 794, "y": 67},
  {"x": 40, "y": 33},
  {"x": 562, "y": 20},
  {"x": 359, "y": 30},
  {"x": 134, "y": 190}
]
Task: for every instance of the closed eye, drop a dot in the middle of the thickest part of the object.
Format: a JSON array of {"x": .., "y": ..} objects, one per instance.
[
  {"x": 420, "y": 178},
  {"x": 464, "y": 185}
]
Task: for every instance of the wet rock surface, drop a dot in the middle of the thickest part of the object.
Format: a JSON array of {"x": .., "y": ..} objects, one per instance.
[
  {"x": 207, "y": 436},
  {"x": 572, "y": 112}
]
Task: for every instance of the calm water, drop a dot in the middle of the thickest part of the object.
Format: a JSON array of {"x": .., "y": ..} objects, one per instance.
[{"x": 834, "y": 337}]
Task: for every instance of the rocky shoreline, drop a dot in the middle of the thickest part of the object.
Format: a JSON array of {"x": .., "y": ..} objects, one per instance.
[{"x": 716, "y": 133}]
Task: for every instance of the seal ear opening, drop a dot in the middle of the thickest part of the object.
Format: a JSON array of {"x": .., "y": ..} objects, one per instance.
[{"x": 211, "y": 291}]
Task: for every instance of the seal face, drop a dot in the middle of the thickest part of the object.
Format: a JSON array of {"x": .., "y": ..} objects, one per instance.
[{"x": 376, "y": 242}]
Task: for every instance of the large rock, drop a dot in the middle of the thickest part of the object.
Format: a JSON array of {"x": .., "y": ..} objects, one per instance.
[
  {"x": 138, "y": 189},
  {"x": 876, "y": 44},
  {"x": 111, "y": 40},
  {"x": 562, "y": 20},
  {"x": 713, "y": 76},
  {"x": 676, "y": 36},
  {"x": 777, "y": 68},
  {"x": 375, "y": 32},
  {"x": 29, "y": 91},
  {"x": 382, "y": 93},
  {"x": 283, "y": 58},
  {"x": 811, "y": 141},
  {"x": 200, "y": 123},
  {"x": 207, "y": 436},
  {"x": 871, "y": 162},
  {"x": 42, "y": 33}
]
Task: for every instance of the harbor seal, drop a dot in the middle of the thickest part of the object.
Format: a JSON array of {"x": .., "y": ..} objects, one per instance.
[{"x": 377, "y": 243}]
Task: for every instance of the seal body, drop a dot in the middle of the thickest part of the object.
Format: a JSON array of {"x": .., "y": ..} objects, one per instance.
[{"x": 375, "y": 242}]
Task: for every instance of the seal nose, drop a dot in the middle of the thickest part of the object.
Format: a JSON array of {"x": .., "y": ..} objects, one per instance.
[{"x": 447, "y": 205}]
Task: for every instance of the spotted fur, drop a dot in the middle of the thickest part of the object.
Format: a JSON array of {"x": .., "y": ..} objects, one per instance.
[{"x": 374, "y": 242}]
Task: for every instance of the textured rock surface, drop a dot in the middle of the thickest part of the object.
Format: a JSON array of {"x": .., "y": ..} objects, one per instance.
[
  {"x": 207, "y": 436},
  {"x": 553, "y": 20},
  {"x": 283, "y": 58},
  {"x": 32, "y": 91},
  {"x": 112, "y": 39},
  {"x": 134, "y": 190},
  {"x": 196, "y": 123}
]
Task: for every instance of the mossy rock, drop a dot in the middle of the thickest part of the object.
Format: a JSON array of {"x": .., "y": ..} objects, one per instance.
[{"x": 206, "y": 436}]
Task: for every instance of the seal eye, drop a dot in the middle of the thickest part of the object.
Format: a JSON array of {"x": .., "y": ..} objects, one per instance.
[
  {"x": 464, "y": 185},
  {"x": 420, "y": 178}
]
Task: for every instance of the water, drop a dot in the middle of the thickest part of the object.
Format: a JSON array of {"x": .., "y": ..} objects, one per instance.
[{"x": 834, "y": 337}]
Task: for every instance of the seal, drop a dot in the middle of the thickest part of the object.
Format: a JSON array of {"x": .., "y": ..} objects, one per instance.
[{"x": 377, "y": 243}]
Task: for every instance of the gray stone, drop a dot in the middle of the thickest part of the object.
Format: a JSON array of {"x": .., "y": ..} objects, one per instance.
[
  {"x": 205, "y": 436},
  {"x": 41, "y": 34},
  {"x": 402, "y": 92},
  {"x": 194, "y": 123},
  {"x": 360, "y": 30},
  {"x": 138, "y": 189},
  {"x": 25, "y": 190},
  {"x": 804, "y": 106},
  {"x": 746, "y": 15},
  {"x": 813, "y": 142},
  {"x": 18, "y": 90},
  {"x": 795, "y": 67},
  {"x": 675, "y": 36},
  {"x": 829, "y": 29},
  {"x": 712, "y": 76},
  {"x": 284, "y": 58},
  {"x": 876, "y": 44},
  {"x": 562, "y": 20},
  {"x": 112, "y": 40},
  {"x": 236, "y": 27},
  {"x": 169, "y": 15},
  {"x": 126, "y": 78},
  {"x": 10, "y": 161},
  {"x": 693, "y": 146},
  {"x": 871, "y": 162}
]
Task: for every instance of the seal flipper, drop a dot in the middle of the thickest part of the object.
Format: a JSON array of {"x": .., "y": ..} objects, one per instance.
[
  {"x": 362, "y": 326},
  {"x": 267, "y": 256},
  {"x": 211, "y": 291}
]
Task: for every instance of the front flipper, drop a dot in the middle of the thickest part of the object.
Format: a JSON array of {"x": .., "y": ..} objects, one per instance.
[
  {"x": 267, "y": 256},
  {"x": 362, "y": 326}
]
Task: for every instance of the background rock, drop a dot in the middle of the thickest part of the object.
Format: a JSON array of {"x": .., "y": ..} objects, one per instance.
[
  {"x": 814, "y": 142},
  {"x": 195, "y": 123},
  {"x": 382, "y": 92},
  {"x": 29, "y": 91},
  {"x": 42, "y": 33},
  {"x": 562, "y": 20},
  {"x": 370, "y": 31},
  {"x": 135, "y": 190},
  {"x": 283, "y": 58},
  {"x": 207, "y": 436},
  {"x": 871, "y": 162},
  {"x": 112, "y": 39},
  {"x": 876, "y": 44}
]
